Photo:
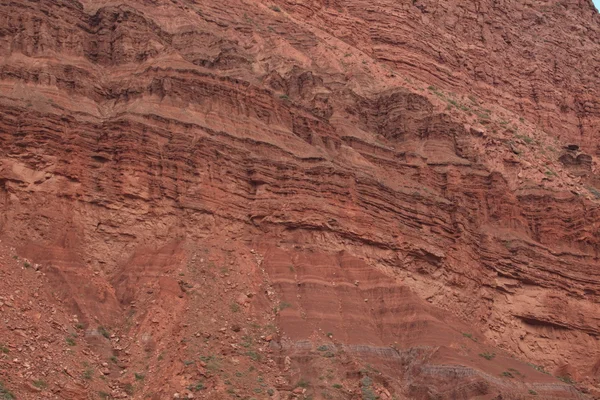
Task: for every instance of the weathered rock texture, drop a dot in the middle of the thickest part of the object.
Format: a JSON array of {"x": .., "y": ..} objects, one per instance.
[{"x": 302, "y": 198}]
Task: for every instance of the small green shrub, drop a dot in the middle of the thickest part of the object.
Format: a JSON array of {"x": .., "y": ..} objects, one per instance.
[
  {"x": 40, "y": 384},
  {"x": 487, "y": 356},
  {"x": 88, "y": 374},
  {"x": 470, "y": 336},
  {"x": 197, "y": 387},
  {"x": 129, "y": 389},
  {"x": 337, "y": 386},
  {"x": 139, "y": 377},
  {"x": 104, "y": 332},
  {"x": 367, "y": 391},
  {"x": 515, "y": 372},
  {"x": 253, "y": 355},
  {"x": 275, "y": 8},
  {"x": 539, "y": 368},
  {"x": 525, "y": 138},
  {"x": 70, "y": 341},
  {"x": 566, "y": 379},
  {"x": 303, "y": 383},
  {"x": 5, "y": 394},
  {"x": 533, "y": 392}
]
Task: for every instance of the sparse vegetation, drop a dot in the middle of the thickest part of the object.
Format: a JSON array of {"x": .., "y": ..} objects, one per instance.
[
  {"x": 594, "y": 191},
  {"x": 275, "y": 8},
  {"x": 435, "y": 91},
  {"x": 532, "y": 392},
  {"x": 487, "y": 356},
  {"x": 323, "y": 347},
  {"x": 70, "y": 341},
  {"x": 4, "y": 349},
  {"x": 88, "y": 374},
  {"x": 104, "y": 332},
  {"x": 515, "y": 372},
  {"x": 129, "y": 389},
  {"x": 337, "y": 386},
  {"x": 26, "y": 264},
  {"x": 566, "y": 379},
  {"x": 507, "y": 374},
  {"x": 525, "y": 138},
  {"x": 483, "y": 116},
  {"x": 283, "y": 305},
  {"x": 367, "y": 390},
  {"x": 212, "y": 363},
  {"x": 303, "y": 383},
  {"x": 253, "y": 355},
  {"x": 197, "y": 387},
  {"x": 40, "y": 384},
  {"x": 139, "y": 377},
  {"x": 5, "y": 394},
  {"x": 247, "y": 341},
  {"x": 539, "y": 368},
  {"x": 470, "y": 336},
  {"x": 235, "y": 307},
  {"x": 103, "y": 395}
]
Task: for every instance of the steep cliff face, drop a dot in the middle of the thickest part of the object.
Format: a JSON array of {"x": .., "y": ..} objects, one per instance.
[{"x": 299, "y": 199}]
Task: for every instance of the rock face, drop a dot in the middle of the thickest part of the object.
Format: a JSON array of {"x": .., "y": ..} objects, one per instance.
[{"x": 286, "y": 199}]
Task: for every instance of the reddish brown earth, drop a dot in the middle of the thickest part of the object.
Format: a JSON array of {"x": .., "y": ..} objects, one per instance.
[{"x": 299, "y": 199}]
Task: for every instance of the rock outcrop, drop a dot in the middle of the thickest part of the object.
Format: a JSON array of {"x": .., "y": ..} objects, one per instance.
[{"x": 299, "y": 198}]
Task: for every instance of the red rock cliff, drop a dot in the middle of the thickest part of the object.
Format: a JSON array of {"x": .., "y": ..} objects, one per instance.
[{"x": 299, "y": 199}]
